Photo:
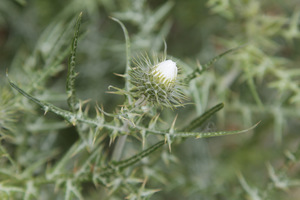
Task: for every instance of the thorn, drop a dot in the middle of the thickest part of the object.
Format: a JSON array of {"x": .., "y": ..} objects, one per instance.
[
  {"x": 97, "y": 111},
  {"x": 112, "y": 138},
  {"x": 110, "y": 141},
  {"x": 46, "y": 110},
  {"x": 173, "y": 124},
  {"x": 199, "y": 65},
  {"x": 86, "y": 101},
  {"x": 144, "y": 182},
  {"x": 109, "y": 87},
  {"x": 169, "y": 142},
  {"x": 120, "y": 75},
  {"x": 80, "y": 108},
  {"x": 73, "y": 121},
  {"x": 153, "y": 121},
  {"x": 86, "y": 110}
]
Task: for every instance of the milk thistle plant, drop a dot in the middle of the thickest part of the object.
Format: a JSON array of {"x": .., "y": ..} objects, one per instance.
[
  {"x": 140, "y": 142},
  {"x": 96, "y": 157}
]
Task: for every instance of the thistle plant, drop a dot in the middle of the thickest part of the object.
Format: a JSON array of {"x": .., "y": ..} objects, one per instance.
[
  {"x": 155, "y": 84},
  {"x": 148, "y": 130}
]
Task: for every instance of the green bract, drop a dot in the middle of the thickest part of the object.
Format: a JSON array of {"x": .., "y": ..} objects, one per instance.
[{"x": 156, "y": 82}]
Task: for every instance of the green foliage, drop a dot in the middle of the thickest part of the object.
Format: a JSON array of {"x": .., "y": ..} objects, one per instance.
[{"x": 57, "y": 54}]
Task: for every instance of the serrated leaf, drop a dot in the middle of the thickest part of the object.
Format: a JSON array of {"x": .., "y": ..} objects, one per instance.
[
  {"x": 127, "y": 162},
  {"x": 130, "y": 161},
  {"x": 201, "y": 119},
  {"x": 128, "y": 57},
  {"x": 202, "y": 134},
  {"x": 73, "y": 102},
  {"x": 203, "y": 68},
  {"x": 223, "y": 133},
  {"x": 69, "y": 116}
]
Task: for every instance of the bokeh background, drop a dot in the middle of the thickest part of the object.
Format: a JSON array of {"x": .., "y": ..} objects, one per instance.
[{"x": 258, "y": 82}]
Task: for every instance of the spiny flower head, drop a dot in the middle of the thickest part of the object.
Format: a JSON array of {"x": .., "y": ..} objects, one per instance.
[{"x": 156, "y": 81}]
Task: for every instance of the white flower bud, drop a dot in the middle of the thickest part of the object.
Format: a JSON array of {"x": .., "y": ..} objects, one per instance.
[
  {"x": 166, "y": 71},
  {"x": 156, "y": 82}
]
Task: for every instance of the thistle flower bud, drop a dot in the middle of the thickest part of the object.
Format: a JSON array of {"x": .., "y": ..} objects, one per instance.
[
  {"x": 165, "y": 72},
  {"x": 157, "y": 83}
]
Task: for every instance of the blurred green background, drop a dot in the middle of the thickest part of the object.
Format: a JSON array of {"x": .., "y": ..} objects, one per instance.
[{"x": 259, "y": 82}]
